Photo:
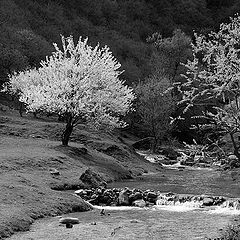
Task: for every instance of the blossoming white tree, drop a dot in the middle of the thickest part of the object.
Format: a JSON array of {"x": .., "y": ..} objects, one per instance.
[
  {"x": 79, "y": 82},
  {"x": 213, "y": 79}
]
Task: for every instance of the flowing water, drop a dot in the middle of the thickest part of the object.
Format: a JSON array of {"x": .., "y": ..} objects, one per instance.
[
  {"x": 173, "y": 221},
  {"x": 189, "y": 181}
]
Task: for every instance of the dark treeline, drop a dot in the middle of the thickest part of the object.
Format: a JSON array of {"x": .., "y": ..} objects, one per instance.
[{"x": 29, "y": 27}]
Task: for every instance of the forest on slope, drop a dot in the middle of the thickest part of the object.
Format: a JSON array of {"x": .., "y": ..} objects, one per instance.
[{"x": 29, "y": 27}]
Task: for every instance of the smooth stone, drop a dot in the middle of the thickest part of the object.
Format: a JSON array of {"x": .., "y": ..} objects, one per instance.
[
  {"x": 123, "y": 198},
  {"x": 80, "y": 192},
  {"x": 69, "y": 220},
  {"x": 135, "y": 196},
  {"x": 139, "y": 203},
  {"x": 151, "y": 195},
  {"x": 207, "y": 201}
]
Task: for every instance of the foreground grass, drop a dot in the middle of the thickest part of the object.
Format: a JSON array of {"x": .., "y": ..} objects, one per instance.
[
  {"x": 232, "y": 232},
  {"x": 25, "y": 184}
]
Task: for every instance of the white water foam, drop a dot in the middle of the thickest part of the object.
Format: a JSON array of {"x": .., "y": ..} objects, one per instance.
[
  {"x": 164, "y": 204},
  {"x": 186, "y": 208},
  {"x": 174, "y": 208},
  {"x": 183, "y": 207},
  {"x": 224, "y": 211},
  {"x": 118, "y": 208}
]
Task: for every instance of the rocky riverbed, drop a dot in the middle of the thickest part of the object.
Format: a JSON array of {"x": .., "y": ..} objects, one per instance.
[{"x": 139, "y": 198}]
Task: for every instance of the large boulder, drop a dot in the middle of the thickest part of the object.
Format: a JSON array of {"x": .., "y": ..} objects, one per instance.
[
  {"x": 95, "y": 199},
  {"x": 208, "y": 201},
  {"x": 107, "y": 197},
  {"x": 123, "y": 198},
  {"x": 151, "y": 197},
  {"x": 135, "y": 196},
  {"x": 81, "y": 192},
  {"x": 92, "y": 179},
  {"x": 69, "y": 220},
  {"x": 139, "y": 203},
  {"x": 232, "y": 157}
]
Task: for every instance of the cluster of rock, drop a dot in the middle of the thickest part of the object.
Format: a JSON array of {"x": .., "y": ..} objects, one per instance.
[
  {"x": 118, "y": 197},
  {"x": 184, "y": 157},
  {"x": 170, "y": 156},
  {"x": 136, "y": 197}
]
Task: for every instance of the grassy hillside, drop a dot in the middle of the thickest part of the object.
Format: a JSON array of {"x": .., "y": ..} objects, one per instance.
[{"x": 30, "y": 149}]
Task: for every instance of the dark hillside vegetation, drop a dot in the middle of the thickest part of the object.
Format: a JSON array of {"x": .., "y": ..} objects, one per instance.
[{"x": 29, "y": 27}]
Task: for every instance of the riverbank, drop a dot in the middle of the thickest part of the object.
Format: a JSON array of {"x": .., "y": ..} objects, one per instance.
[
  {"x": 34, "y": 166},
  {"x": 130, "y": 224}
]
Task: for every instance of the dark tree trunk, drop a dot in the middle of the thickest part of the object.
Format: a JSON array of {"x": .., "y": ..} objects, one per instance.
[
  {"x": 21, "y": 109},
  {"x": 68, "y": 131},
  {"x": 154, "y": 144},
  {"x": 236, "y": 148}
]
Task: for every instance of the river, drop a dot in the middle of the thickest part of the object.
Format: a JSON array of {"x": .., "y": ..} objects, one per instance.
[{"x": 158, "y": 222}]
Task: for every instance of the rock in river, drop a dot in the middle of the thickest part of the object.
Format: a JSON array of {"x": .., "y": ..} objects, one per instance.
[
  {"x": 123, "y": 198},
  {"x": 207, "y": 201},
  {"x": 139, "y": 203},
  {"x": 69, "y": 220}
]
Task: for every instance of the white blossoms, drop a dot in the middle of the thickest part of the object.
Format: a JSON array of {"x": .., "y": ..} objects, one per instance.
[{"x": 79, "y": 80}]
